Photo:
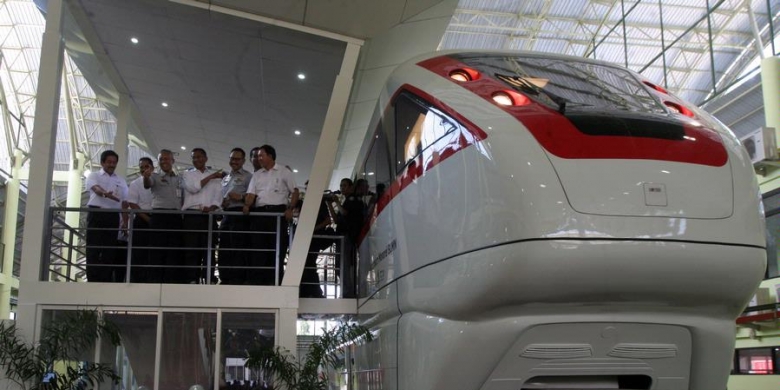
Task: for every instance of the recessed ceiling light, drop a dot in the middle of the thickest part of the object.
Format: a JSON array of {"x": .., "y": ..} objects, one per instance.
[
  {"x": 295, "y": 170},
  {"x": 164, "y": 104},
  {"x": 301, "y": 76},
  {"x": 134, "y": 40},
  {"x": 297, "y": 132},
  {"x": 371, "y": 174},
  {"x": 183, "y": 148}
]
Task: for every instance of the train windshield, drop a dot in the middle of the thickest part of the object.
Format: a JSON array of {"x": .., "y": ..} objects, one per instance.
[{"x": 567, "y": 85}]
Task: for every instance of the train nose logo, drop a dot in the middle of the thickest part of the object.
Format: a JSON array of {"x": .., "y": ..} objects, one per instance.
[{"x": 655, "y": 194}]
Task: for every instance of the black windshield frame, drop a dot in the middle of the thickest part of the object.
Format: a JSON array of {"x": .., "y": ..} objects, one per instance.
[{"x": 582, "y": 85}]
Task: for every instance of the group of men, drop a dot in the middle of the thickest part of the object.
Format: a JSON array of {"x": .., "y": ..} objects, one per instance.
[{"x": 169, "y": 246}]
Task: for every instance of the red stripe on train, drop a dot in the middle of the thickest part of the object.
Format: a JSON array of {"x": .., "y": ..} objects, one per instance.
[{"x": 560, "y": 137}]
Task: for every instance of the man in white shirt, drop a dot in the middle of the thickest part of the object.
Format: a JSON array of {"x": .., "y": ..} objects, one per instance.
[
  {"x": 271, "y": 190},
  {"x": 106, "y": 191},
  {"x": 140, "y": 198},
  {"x": 203, "y": 194}
]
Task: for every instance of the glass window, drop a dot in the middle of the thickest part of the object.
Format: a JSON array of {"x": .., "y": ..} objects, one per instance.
[
  {"x": 755, "y": 361},
  {"x": 50, "y": 317},
  {"x": 772, "y": 207},
  {"x": 409, "y": 116},
  {"x": 133, "y": 359},
  {"x": 240, "y": 332},
  {"x": 376, "y": 169},
  {"x": 419, "y": 128},
  {"x": 188, "y": 350}
]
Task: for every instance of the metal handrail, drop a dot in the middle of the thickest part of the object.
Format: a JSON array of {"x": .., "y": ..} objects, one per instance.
[{"x": 62, "y": 253}]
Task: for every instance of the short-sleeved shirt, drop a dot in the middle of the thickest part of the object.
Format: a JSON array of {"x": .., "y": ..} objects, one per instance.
[
  {"x": 137, "y": 194},
  {"x": 166, "y": 190},
  {"x": 110, "y": 183},
  {"x": 272, "y": 187},
  {"x": 197, "y": 196},
  {"x": 238, "y": 182}
]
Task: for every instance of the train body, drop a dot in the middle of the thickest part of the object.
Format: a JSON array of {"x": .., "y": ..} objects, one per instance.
[{"x": 550, "y": 222}]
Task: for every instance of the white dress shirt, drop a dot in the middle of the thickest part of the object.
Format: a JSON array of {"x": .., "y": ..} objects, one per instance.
[
  {"x": 197, "y": 197},
  {"x": 110, "y": 183},
  {"x": 272, "y": 187},
  {"x": 136, "y": 193}
]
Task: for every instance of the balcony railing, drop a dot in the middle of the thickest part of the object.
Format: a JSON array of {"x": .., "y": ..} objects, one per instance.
[{"x": 162, "y": 256}]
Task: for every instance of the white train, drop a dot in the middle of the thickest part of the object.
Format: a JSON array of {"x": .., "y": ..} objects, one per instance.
[{"x": 551, "y": 222}]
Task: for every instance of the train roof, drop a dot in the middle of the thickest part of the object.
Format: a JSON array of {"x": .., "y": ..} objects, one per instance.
[{"x": 515, "y": 53}]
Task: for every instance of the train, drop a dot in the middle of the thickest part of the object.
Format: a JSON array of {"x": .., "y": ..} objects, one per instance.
[{"x": 550, "y": 222}]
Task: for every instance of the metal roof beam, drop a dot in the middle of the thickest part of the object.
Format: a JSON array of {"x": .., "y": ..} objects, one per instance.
[
  {"x": 577, "y": 38},
  {"x": 490, "y": 23}
]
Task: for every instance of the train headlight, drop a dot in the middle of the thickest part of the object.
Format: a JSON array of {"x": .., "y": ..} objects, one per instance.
[
  {"x": 510, "y": 98},
  {"x": 464, "y": 75},
  {"x": 680, "y": 109},
  {"x": 655, "y": 87}
]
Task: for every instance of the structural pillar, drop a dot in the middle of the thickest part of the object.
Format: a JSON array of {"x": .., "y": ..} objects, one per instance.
[
  {"x": 770, "y": 85},
  {"x": 286, "y": 330},
  {"x": 323, "y": 166},
  {"x": 9, "y": 236},
  {"x": 120, "y": 138},
  {"x": 72, "y": 218},
  {"x": 41, "y": 160}
]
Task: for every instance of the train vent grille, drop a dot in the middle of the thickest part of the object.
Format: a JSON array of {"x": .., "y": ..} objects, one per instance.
[
  {"x": 644, "y": 351},
  {"x": 557, "y": 351}
]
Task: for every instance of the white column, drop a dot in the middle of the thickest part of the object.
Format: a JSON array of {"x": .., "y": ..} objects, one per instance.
[
  {"x": 75, "y": 184},
  {"x": 770, "y": 84},
  {"x": 41, "y": 158},
  {"x": 287, "y": 329},
  {"x": 380, "y": 56},
  {"x": 323, "y": 166},
  {"x": 9, "y": 236},
  {"x": 120, "y": 138}
]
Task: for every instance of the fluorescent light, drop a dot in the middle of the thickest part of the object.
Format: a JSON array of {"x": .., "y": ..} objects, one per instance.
[
  {"x": 297, "y": 132},
  {"x": 295, "y": 170},
  {"x": 301, "y": 76},
  {"x": 164, "y": 104},
  {"x": 134, "y": 40},
  {"x": 183, "y": 147}
]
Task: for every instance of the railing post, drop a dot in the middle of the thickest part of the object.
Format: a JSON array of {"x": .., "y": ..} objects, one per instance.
[
  {"x": 46, "y": 258},
  {"x": 129, "y": 244},
  {"x": 208, "y": 250},
  {"x": 70, "y": 252},
  {"x": 276, "y": 252},
  {"x": 342, "y": 262}
]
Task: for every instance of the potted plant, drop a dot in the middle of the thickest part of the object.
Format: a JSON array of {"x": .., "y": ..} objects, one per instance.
[
  {"x": 53, "y": 362},
  {"x": 307, "y": 374}
]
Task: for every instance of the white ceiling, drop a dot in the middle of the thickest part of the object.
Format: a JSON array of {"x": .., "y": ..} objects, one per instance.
[{"x": 228, "y": 82}]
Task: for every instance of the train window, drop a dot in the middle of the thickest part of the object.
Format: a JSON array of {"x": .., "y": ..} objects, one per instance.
[
  {"x": 418, "y": 127},
  {"x": 376, "y": 169},
  {"x": 756, "y": 361}
]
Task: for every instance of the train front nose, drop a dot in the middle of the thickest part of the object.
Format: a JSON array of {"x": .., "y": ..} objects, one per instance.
[{"x": 642, "y": 166}]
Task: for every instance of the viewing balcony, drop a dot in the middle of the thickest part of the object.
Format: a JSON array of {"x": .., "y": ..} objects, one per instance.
[{"x": 145, "y": 274}]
